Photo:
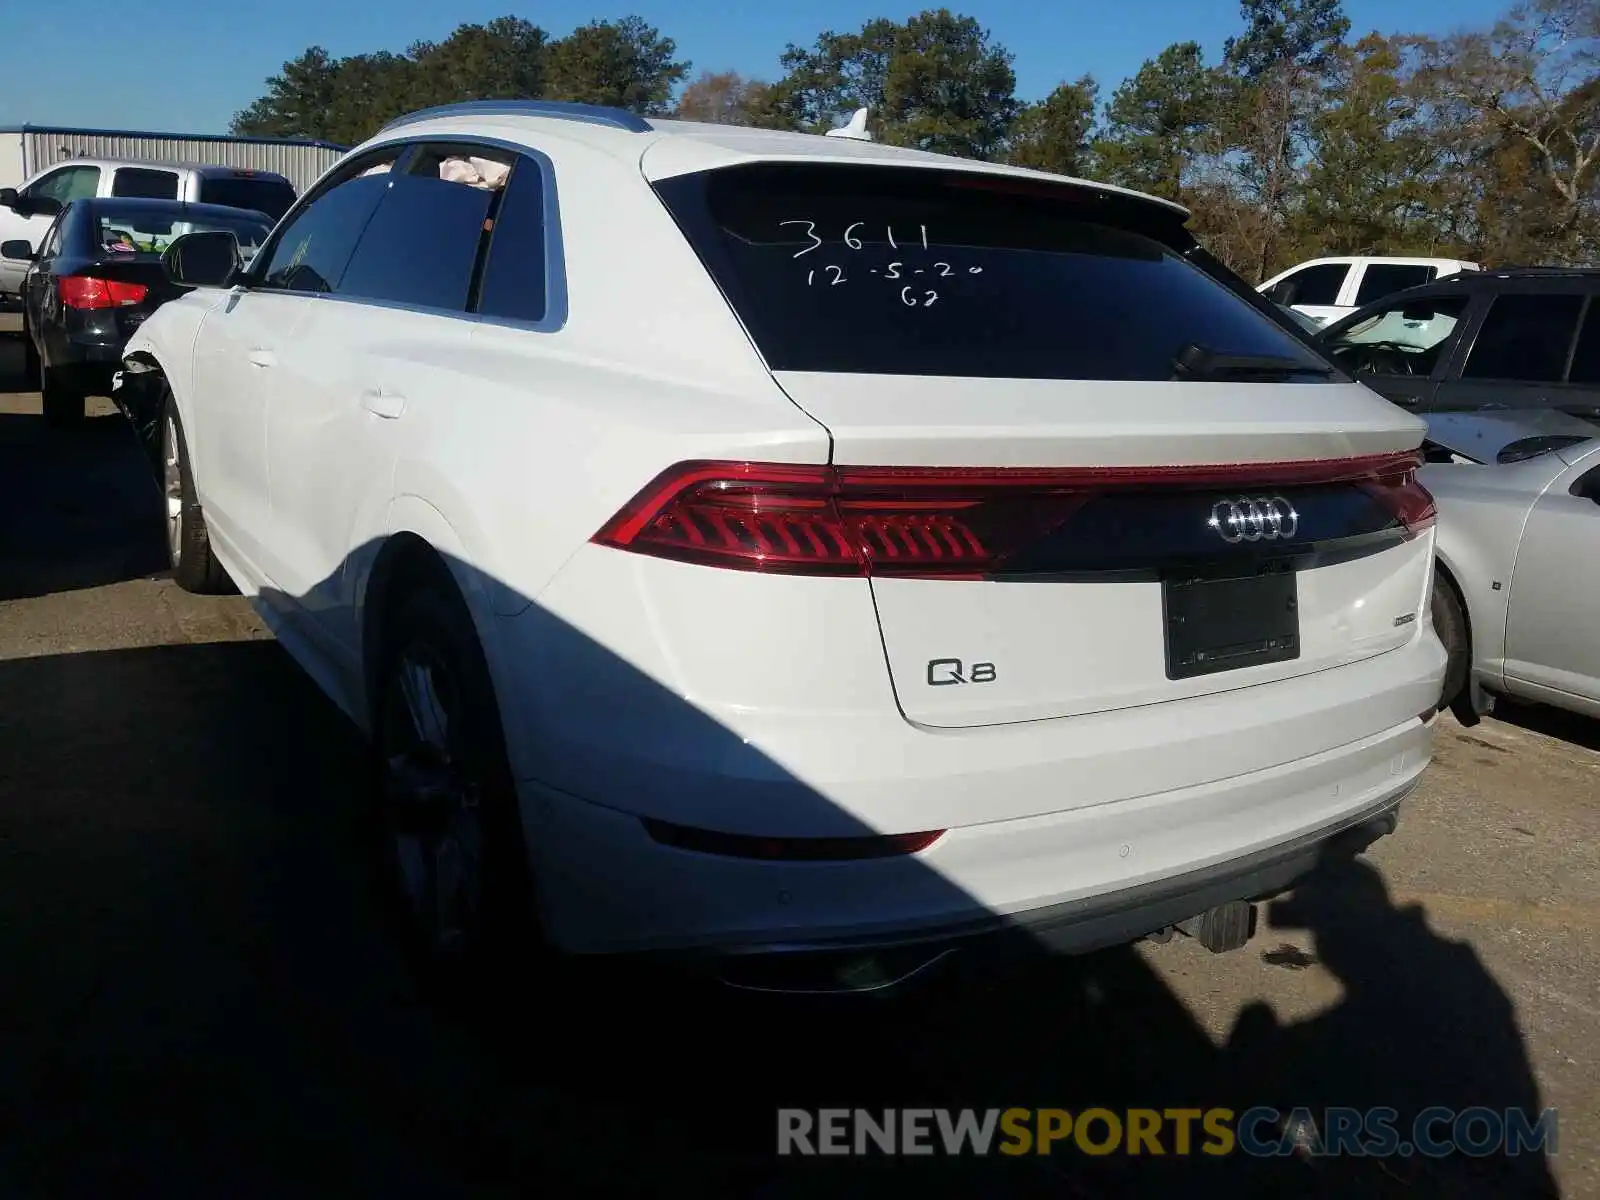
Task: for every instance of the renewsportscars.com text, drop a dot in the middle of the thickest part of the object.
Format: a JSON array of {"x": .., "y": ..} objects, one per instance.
[{"x": 1262, "y": 1131}]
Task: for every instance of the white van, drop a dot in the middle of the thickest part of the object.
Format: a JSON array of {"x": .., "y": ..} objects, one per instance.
[
  {"x": 26, "y": 212},
  {"x": 1326, "y": 289}
]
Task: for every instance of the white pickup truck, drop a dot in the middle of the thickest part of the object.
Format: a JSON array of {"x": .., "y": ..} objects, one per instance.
[
  {"x": 1326, "y": 289},
  {"x": 27, "y": 211}
]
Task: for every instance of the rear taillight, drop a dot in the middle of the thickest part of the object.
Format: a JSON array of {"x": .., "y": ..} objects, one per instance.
[
  {"x": 85, "y": 291},
  {"x": 923, "y": 522},
  {"x": 1395, "y": 484}
]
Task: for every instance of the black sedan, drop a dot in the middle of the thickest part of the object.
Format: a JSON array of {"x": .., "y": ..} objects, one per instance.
[{"x": 95, "y": 279}]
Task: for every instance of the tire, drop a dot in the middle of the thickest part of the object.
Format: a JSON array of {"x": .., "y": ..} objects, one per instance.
[
  {"x": 445, "y": 796},
  {"x": 63, "y": 404},
  {"x": 194, "y": 568},
  {"x": 1450, "y": 623}
]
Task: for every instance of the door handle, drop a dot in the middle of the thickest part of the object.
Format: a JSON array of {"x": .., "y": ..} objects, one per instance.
[
  {"x": 382, "y": 403},
  {"x": 262, "y": 358}
]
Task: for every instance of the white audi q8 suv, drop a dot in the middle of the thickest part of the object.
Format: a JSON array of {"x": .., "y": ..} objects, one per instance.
[{"x": 752, "y": 545}]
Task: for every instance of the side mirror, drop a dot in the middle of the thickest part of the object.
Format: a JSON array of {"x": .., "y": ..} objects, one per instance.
[
  {"x": 18, "y": 250},
  {"x": 8, "y": 198},
  {"x": 36, "y": 206},
  {"x": 209, "y": 259}
]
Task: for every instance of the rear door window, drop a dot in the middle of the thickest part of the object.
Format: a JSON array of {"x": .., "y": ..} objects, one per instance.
[
  {"x": 1525, "y": 338},
  {"x": 514, "y": 286},
  {"x": 422, "y": 244},
  {"x": 1318, "y": 285},
  {"x": 896, "y": 271},
  {"x": 145, "y": 183},
  {"x": 1384, "y": 279}
]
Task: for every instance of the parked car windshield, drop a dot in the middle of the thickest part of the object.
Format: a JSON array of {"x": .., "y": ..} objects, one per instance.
[
  {"x": 897, "y": 271},
  {"x": 1405, "y": 337},
  {"x": 149, "y": 231}
]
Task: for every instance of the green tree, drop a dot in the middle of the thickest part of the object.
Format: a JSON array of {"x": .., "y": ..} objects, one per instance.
[
  {"x": 624, "y": 64},
  {"x": 1373, "y": 186},
  {"x": 347, "y": 100},
  {"x": 371, "y": 90},
  {"x": 298, "y": 100},
  {"x": 936, "y": 82},
  {"x": 1278, "y": 69},
  {"x": 1053, "y": 135},
  {"x": 722, "y": 98},
  {"x": 1521, "y": 104},
  {"x": 502, "y": 60},
  {"x": 1158, "y": 122}
]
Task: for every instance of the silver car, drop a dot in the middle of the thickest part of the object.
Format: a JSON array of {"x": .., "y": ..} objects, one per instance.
[{"x": 1517, "y": 592}]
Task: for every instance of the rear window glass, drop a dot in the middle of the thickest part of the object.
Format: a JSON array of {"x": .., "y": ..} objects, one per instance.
[
  {"x": 1318, "y": 285},
  {"x": 270, "y": 196},
  {"x": 145, "y": 184},
  {"x": 900, "y": 271},
  {"x": 1383, "y": 279},
  {"x": 134, "y": 230}
]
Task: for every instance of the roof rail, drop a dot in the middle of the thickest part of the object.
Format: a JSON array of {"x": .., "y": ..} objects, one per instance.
[
  {"x": 1532, "y": 272},
  {"x": 591, "y": 114}
]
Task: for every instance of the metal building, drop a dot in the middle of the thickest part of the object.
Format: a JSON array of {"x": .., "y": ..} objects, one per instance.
[{"x": 27, "y": 149}]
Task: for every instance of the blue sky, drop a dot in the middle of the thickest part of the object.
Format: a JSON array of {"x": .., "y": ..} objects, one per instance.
[{"x": 188, "y": 65}]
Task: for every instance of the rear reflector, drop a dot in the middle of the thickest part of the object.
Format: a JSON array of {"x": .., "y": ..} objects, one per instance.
[
  {"x": 736, "y": 845},
  {"x": 84, "y": 291},
  {"x": 933, "y": 522}
]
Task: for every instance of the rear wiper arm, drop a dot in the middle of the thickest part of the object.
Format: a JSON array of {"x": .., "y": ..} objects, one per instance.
[{"x": 1195, "y": 361}]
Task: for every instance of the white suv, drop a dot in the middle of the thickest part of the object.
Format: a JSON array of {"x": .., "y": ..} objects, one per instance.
[{"x": 745, "y": 543}]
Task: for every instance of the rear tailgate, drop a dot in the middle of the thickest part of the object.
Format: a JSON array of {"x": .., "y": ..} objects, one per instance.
[
  {"x": 1081, "y": 473},
  {"x": 1076, "y": 620}
]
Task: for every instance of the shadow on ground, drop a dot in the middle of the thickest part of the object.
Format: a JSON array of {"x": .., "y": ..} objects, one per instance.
[
  {"x": 1570, "y": 727},
  {"x": 202, "y": 998},
  {"x": 79, "y": 511}
]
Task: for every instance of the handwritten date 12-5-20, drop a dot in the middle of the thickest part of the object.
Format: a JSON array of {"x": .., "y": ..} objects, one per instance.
[{"x": 913, "y": 294}]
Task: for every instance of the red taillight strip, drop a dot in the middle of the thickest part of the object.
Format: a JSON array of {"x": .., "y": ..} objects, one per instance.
[
  {"x": 90, "y": 291},
  {"x": 674, "y": 481},
  {"x": 813, "y": 849},
  {"x": 854, "y": 520}
]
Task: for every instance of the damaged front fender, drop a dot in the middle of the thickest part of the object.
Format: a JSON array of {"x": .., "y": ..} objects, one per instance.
[{"x": 139, "y": 390}]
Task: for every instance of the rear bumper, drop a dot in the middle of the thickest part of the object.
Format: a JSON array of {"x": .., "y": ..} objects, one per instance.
[
  {"x": 86, "y": 361},
  {"x": 1068, "y": 882}
]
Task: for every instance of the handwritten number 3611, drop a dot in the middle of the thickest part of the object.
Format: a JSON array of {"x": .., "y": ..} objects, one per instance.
[{"x": 850, "y": 238}]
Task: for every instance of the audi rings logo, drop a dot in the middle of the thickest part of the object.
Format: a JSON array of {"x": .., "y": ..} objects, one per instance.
[{"x": 1254, "y": 519}]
